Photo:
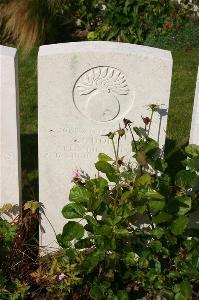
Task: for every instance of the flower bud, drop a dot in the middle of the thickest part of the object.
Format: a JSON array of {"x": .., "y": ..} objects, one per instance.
[
  {"x": 110, "y": 135},
  {"x": 126, "y": 122},
  {"x": 154, "y": 107},
  {"x": 121, "y": 132},
  {"x": 146, "y": 120}
]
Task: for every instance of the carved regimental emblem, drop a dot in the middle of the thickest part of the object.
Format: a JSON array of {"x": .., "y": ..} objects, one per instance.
[{"x": 102, "y": 94}]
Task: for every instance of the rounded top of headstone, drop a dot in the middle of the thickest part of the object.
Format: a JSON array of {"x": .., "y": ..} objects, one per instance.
[
  {"x": 103, "y": 46},
  {"x": 7, "y": 51}
]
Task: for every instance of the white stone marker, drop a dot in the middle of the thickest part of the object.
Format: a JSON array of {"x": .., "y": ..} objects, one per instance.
[
  {"x": 85, "y": 91},
  {"x": 194, "y": 139},
  {"x": 10, "y": 165},
  {"x": 194, "y": 133}
]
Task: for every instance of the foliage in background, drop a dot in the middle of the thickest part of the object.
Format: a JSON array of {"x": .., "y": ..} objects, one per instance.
[
  {"x": 28, "y": 23},
  {"x": 185, "y": 36},
  {"x": 132, "y": 21},
  {"x": 135, "y": 239}
]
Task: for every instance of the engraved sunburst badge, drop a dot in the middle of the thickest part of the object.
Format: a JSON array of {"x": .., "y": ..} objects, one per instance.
[{"x": 99, "y": 91}]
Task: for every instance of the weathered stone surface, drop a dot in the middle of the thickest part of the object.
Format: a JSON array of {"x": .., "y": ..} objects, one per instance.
[
  {"x": 9, "y": 128},
  {"x": 85, "y": 91}
]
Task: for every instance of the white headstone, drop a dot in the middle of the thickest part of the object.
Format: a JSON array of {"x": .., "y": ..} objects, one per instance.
[
  {"x": 194, "y": 139},
  {"x": 194, "y": 133},
  {"x": 85, "y": 91},
  {"x": 10, "y": 164}
]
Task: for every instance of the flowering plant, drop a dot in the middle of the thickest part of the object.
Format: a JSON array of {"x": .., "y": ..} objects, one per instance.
[{"x": 135, "y": 239}]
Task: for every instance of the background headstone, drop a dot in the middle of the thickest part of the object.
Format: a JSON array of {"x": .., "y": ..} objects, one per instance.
[
  {"x": 85, "y": 91},
  {"x": 194, "y": 139},
  {"x": 194, "y": 133},
  {"x": 10, "y": 165}
]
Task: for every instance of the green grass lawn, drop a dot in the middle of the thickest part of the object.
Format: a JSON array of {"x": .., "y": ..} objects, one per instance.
[
  {"x": 28, "y": 122},
  {"x": 180, "y": 109}
]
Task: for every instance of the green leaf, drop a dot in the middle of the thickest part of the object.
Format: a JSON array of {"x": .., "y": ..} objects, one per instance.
[
  {"x": 135, "y": 146},
  {"x": 108, "y": 169},
  {"x": 158, "y": 232},
  {"x": 97, "y": 185},
  {"x": 185, "y": 179},
  {"x": 104, "y": 230},
  {"x": 122, "y": 295},
  {"x": 32, "y": 205},
  {"x": 164, "y": 183},
  {"x": 150, "y": 146},
  {"x": 143, "y": 263},
  {"x": 185, "y": 289},
  {"x": 116, "y": 220},
  {"x": 162, "y": 217},
  {"x": 7, "y": 207},
  {"x": 96, "y": 201},
  {"x": 156, "y": 205},
  {"x": 91, "y": 219},
  {"x": 179, "y": 296},
  {"x": 174, "y": 275},
  {"x": 155, "y": 200},
  {"x": 179, "y": 225},
  {"x": 192, "y": 164},
  {"x": 111, "y": 295},
  {"x": 104, "y": 157},
  {"x": 159, "y": 164},
  {"x": 144, "y": 180},
  {"x": 126, "y": 195},
  {"x": 156, "y": 245},
  {"x": 79, "y": 194},
  {"x": 99, "y": 289},
  {"x": 188, "y": 244},
  {"x": 73, "y": 210},
  {"x": 130, "y": 259},
  {"x": 139, "y": 132},
  {"x": 121, "y": 231},
  {"x": 83, "y": 243},
  {"x": 7, "y": 231},
  {"x": 95, "y": 292},
  {"x": 71, "y": 253},
  {"x": 72, "y": 230},
  {"x": 168, "y": 295},
  {"x": 154, "y": 195},
  {"x": 62, "y": 242},
  {"x": 192, "y": 150},
  {"x": 93, "y": 258},
  {"x": 184, "y": 204}
]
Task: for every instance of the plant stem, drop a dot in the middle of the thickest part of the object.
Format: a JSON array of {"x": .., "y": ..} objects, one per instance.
[
  {"x": 115, "y": 152},
  {"x": 118, "y": 145},
  {"x": 133, "y": 137},
  {"x": 152, "y": 112}
]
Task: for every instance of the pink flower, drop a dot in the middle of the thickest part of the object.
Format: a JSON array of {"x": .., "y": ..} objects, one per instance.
[
  {"x": 62, "y": 276},
  {"x": 75, "y": 174}
]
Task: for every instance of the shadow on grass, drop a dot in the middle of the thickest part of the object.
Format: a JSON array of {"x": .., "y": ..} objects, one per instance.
[
  {"x": 29, "y": 164},
  {"x": 174, "y": 157}
]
